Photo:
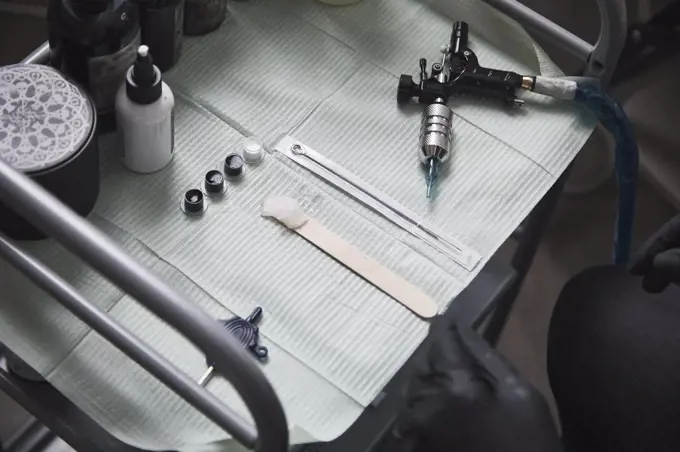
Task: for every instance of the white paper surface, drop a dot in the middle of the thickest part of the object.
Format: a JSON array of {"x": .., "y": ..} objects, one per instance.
[{"x": 328, "y": 77}]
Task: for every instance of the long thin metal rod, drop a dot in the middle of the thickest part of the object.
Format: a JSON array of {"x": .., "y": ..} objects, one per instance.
[
  {"x": 41, "y": 55},
  {"x": 612, "y": 40},
  {"x": 383, "y": 205},
  {"x": 544, "y": 27},
  {"x": 128, "y": 343},
  {"x": 80, "y": 237}
]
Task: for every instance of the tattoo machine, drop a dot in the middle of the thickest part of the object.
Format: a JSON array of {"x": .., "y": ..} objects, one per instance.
[{"x": 458, "y": 72}]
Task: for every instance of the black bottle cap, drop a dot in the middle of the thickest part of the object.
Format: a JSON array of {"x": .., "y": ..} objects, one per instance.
[
  {"x": 143, "y": 81},
  {"x": 194, "y": 202},
  {"x": 214, "y": 183},
  {"x": 233, "y": 166}
]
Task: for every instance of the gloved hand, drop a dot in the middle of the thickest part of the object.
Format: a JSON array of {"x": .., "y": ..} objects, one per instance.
[
  {"x": 466, "y": 398},
  {"x": 659, "y": 260}
]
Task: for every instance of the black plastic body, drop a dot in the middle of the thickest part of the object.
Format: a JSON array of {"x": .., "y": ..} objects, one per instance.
[
  {"x": 466, "y": 76},
  {"x": 475, "y": 79},
  {"x": 194, "y": 201},
  {"x": 162, "y": 24},
  {"x": 247, "y": 333},
  {"x": 203, "y": 16},
  {"x": 233, "y": 166},
  {"x": 75, "y": 182},
  {"x": 214, "y": 182},
  {"x": 79, "y": 38}
]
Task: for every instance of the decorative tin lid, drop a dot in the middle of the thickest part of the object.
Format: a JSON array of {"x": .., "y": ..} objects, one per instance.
[{"x": 44, "y": 118}]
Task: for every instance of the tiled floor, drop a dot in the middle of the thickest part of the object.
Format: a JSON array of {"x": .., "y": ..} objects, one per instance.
[{"x": 565, "y": 250}]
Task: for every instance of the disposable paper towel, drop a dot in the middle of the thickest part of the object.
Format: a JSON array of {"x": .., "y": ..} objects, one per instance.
[
  {"x": 264, "y": 70},
  {"x": 329, "y": 332},
  {"x": 313, "y": 305}
]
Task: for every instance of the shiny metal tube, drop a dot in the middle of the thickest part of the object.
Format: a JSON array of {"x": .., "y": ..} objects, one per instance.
[
  {"x": 41, "y": 55},
  {"x": 436, "y": 132},
  {"x": 46, "y": 212},
  {"x": 128, "y": 343},
  {"x": 544, "y": 27},
  {"x": 601, "y": 58}
]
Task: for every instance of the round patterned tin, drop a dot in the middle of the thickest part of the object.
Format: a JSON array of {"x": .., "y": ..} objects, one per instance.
[
  {"x": 45, "y": 118},
  {"x": 47, "y": 131}
]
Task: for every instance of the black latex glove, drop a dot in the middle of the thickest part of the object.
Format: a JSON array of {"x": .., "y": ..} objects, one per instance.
[
  {"x": 659, "y": 260},
  {"x": 466, "y": 398}
]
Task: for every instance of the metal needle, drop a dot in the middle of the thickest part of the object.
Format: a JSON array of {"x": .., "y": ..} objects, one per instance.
[
  {"x": 340, "y": 178},
  {"x": 431, "y": 176}
]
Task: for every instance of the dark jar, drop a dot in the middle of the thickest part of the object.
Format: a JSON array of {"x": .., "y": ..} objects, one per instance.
[
  {"x": 203, "y": 16},
  {"x": 48, "y": 132}
]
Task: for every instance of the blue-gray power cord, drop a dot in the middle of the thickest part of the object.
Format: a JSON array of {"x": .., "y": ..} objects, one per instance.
[
  {"x": 614, "y": 119},
  {"x": 586, "y": 92}
]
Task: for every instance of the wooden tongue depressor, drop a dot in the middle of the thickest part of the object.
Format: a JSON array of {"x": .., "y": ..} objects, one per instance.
[{"x": 287, "y": 211}]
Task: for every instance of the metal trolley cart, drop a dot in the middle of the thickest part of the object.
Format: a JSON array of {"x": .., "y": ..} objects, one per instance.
[{"x": 485, "y": 303}]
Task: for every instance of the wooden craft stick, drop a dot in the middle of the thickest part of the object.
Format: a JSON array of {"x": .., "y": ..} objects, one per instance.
[{"x": 287, "y": 211}]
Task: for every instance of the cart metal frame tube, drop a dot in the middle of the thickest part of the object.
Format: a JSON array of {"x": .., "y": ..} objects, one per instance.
[
  {"x": 601, "y": 58},
  {"x": 76, "y": 234},
  {"x": 41, "y": 55},
  {"x": 544, "y": 27},
  {"x": 128, "y": 343}
]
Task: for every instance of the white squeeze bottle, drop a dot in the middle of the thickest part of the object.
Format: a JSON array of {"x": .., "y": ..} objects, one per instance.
[{"x": 144, "y": 117}]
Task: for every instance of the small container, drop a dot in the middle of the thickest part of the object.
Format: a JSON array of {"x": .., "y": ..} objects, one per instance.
[
  {"x": 193, "y": 202},
  {"x": 234, "y": 167},
  {"x": 214, "y": 184},
  {"x": 253, "y": 151},
  {"x": 144, "y": 114},
  {"x": 47, "y": 131},
  {"x": 203, "y": 16}
]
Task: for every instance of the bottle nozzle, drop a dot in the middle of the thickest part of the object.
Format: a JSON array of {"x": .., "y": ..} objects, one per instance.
[
  {"x": 144, "y": 80},
  {"x": 144, "y": 72},
  {"x": 143, "y": 51}
]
